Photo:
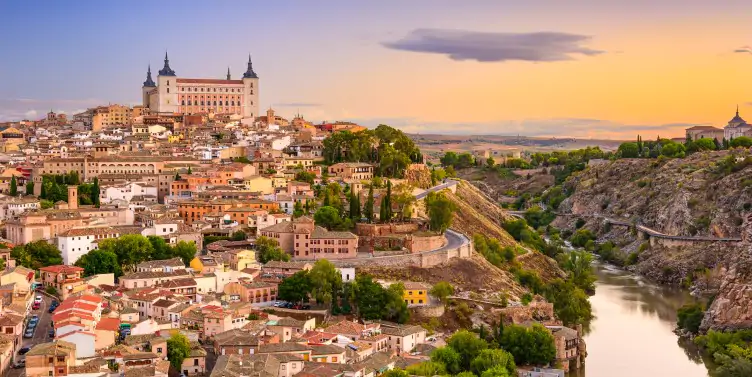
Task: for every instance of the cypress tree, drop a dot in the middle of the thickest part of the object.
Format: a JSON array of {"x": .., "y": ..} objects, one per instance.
[
  {"x": 95, "y": 192},
  {"x": 13, "y": 186},
  {"x": 388, "y": 198},
  {"x": 368, "y": 209},
  {"x": 30, "y": 188}
]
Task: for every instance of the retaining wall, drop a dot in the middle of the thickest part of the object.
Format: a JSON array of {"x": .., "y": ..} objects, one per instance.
[{"x": 428, "y": 311}]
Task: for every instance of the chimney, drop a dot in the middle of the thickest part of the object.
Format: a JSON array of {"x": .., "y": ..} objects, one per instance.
[{"x": 72, "y": 197}]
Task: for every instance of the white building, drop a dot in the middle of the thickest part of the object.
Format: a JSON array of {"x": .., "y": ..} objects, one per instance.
[
  {"x": 127, "y": 192},
  {"x": 265, "y": 221},
  {"x": 78, "y": 241},
  {"x": 12, "y": 206},
  {"x": 348, "y": 274},
  {"x": 84, "y": 341},
  {"x": 172, "y": 94}
]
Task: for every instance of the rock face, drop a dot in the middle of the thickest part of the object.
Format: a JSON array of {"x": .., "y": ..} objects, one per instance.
[{"x": 706, "y": 194}]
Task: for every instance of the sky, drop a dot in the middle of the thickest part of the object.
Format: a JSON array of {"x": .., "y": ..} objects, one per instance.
[{"x": 578, "y": 68}]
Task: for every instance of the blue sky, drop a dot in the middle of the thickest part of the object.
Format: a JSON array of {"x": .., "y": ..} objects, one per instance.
[{"x": 621, "y": 66}]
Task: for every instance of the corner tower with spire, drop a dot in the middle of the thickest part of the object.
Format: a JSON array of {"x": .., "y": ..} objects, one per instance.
[{"x": 172, "y": 94}]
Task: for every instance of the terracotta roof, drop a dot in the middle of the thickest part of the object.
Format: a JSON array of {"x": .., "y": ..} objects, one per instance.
[
  {"x": 109, "y": 324},
  {"x": 61, "y": 268},
  {"x": 93, "y": 231}
]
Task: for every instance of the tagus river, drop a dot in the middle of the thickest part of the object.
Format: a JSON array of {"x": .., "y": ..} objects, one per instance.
[{"x": 632, "y": 332}]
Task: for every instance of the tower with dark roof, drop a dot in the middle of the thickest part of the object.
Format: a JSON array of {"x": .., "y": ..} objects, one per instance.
[
  {"x": 166, "y": 70},
  {"x": 250, "y": 87},
  {"x": 249, "y": 74},
  {"x": 228, "y": 74}
]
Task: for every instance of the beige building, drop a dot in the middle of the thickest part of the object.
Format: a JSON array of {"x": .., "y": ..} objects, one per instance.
[
  {"x": 88, "y": 168},
  {"x": 51, "y": 359},
  {"x": 352, "y": 170},
  {"x": 304, "y": 240},
  {"x": 708, "y": 132}
]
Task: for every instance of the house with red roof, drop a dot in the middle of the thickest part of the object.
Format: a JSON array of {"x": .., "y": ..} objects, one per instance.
[
  {"x": 67, "y": 280},
  {"x": 85, "y": 342},
  {"x": 106, "y": 332}
]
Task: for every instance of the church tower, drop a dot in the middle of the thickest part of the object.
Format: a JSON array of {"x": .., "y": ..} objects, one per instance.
[
  {"x": 250, "y": 89},
  {"x": 167, "y": 88},
  {"x": 148, "y": 85}
]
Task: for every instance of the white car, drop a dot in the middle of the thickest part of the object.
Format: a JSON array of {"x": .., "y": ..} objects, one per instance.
[{"x": 38, "y": 299}]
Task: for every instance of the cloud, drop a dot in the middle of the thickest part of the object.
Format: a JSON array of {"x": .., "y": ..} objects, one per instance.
[
  {"x": 297, "y": 104},
  {"x": 743, "y": 50},
  {"x": 554, "y": 127},
  {"x": 31, "y": 114},
  {"x": 14, "y": 109},
  {"x": 495, "y": 47}
]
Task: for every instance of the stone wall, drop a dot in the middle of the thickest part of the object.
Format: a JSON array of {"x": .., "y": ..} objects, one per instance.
[
  {"x": 428, "y": 311},
  {"x": 374, "y": 230},
  {"x": 535, "y": 311},
  {"x": 419, "y": 244}
]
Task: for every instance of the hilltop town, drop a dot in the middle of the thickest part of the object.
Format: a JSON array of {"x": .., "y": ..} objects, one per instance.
[{"x": 192, "y": 235}]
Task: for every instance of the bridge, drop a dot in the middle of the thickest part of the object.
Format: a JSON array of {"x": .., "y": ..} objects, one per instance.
[{"x": 646, "y": 231}]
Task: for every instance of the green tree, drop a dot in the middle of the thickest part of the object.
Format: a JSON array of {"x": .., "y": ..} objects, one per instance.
[
  {"x": 442, "y": 290},
  {"x": 13, "y": 186},
  {"x": 2, "y": 265},
  {"x": 185, "y": 250},
  {"x": 328, "y": 217},
  {"x": 690, "y": 316},
  {"x": 579, "y": 266},
  {"x": 496, "y": 371},
  {"x": 395, "y": 308},
  {"x": 354, "y": 202},
  {"x": 46, "y": 204},
  {"x": 30, "y": 188},
  {"x": 37, "y": 254},
  {"x": 734, "y": 368},
  {"x": 238, "y": 236},
  {"x": 529, "y": 345},
  {"x": 449, "y": 357},
  {"x": 160, "y": 249},
  {"x": 95, "y": 192},
  {"x": 131, "y": 249},
  {"x": 468, "y": 345},
  {"x": 396, "y": 372},
  {"x": 178, "y": 349},
  {"x": 404, "y": 199},
  {"x": 491, "y": 358},
  {"x": 99, "y": 262},
  {"x": 368, "y": 208},
  {"x": 628, "y": 150},
  {"x": 326, "y": 281},
  {"x": 490, "y": 162},
  {"x": 268, "y": 250},
  {"x": 427, "y": 369},
  {"x": 440, "y": 211},
  {"x": 305, "y": 176},
  {"x": 741, "y": 141},
  {"x": 704, "y": 144},
  {"x": 298, "y": 209},
  {"x": 296, "y": 287},
  {"x": 571, "y": 304}
]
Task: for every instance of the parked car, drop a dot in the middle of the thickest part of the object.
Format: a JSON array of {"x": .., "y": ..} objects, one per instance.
[
  {"x": 24, "y": 350},
  {"x": 38, "y": 298},
  {"x": 52, "y": 333},
  {"x": 54, "y": 303},
  {"x": 297, "y": 307},
  {"x": 20, "y": 364},
  {"x": 306, "y": 307},
  {"x": 51, "y": 309},
  {"x": 35, "y": 306},
  {"x": 29, "y": 332},
  {"x": 278, "y": 304}
]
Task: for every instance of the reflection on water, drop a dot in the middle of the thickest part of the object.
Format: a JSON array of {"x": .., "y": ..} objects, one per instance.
[{"x": 632, "y": 334}]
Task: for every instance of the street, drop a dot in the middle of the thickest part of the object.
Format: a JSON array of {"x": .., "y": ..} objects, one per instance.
[{"x": 41, "y": 334}]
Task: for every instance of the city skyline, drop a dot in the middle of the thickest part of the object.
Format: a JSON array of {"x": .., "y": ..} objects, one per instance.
[{"x": 536, "y": 69}]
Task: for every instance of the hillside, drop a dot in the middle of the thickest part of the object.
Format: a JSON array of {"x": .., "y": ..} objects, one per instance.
[{"x": 706, "y": 194}]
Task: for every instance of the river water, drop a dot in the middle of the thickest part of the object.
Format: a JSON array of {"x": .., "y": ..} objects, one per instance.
[{"x": 631, "y": 335}]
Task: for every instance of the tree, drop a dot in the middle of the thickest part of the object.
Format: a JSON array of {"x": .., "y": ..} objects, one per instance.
[
  {"x": 404, "y": 199},
  {"x": 185, "y": 250},
  {"x": 368, "y": 297},
  {"x": 160, "y": 249},
  {"x": 326, "y": 281},
  {"x": 328, "y": 217},
  {"x": 571, "y": 304},
  {"x": 440, "y": 211},
  {"x": 131, "y": 249},
  {"x": 496, "y": 371},
  {"x": 268, "y": 250},
  {"x": 689, "y": 317},
  {"x": 2, "y": 265},
  {"x": 305, "y": 176},
  {"x": 395, "y": 307},
  {"x": 449, "y": 357},
  {"x": 99, "y": 262},
  {"x": 427, "y": 369},
  {"x": 178, "y": 349},
  {"x": 388, "y": 197},
  {"x": 354, "y": 202},
  {"x": 13, "y": 186},
  {"x": 735, "y": 368},
  {"x": 368, "y": 209},
  {"x": 95, "y": 192},
  {"x": 37, "y": 254},
  {"x": 492, "y": 358},
  {"x": 578, "y": 264},
  {"x": 30, "y": 188},
  {"x": 298, "y": 209},
  {"x": 704, "y": 144},
  {"x": 529, "y": 345},
  {"x": 741, "y": 141},
  {"x": 490, "y": 162},
  {"x": 396, "y": 372},
  {"x": 628, "y": 150},
  {"x": 468, "y": 345},
  {"x": 442, "y": 290},
  {"x": 238, "y": 236},
  {"x": 295, "y": 288}
]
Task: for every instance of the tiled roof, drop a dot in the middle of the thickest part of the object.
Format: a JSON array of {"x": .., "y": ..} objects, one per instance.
[
  {"x": 282, "y": 347},
  {"x": 61, "y": 268},
  {"x": 174, "y": 262},
  {"x": 236, "y": 337},
  {"x": 89, "y": 231},
  {"x": 109, "y": 324},
  {"x": 321, "y": 233},
  {"x": 155, "y": 274},
  {"x": 56, "y": 347}
]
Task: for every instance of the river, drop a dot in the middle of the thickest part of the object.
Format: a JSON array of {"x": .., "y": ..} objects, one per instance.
[{"x": 632, "y": 335}]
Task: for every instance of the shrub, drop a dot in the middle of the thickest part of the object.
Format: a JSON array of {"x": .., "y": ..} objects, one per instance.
[
  {"x": 632, "y": 258},
  {"x": 689, "y": 317},
  {"x": 579, "y": 223}
]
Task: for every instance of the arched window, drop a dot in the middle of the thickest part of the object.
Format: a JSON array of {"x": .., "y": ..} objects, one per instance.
[{"x": 168, "y": 90}]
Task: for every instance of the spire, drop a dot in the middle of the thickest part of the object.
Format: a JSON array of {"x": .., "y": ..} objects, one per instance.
[
  {"x": 737, "y": 109},
  {"x": 166, "y": 70},
  {"x": 228, "y": 73},
  {"x": 249, "y": 74},
  {"x": 149, "y": 83}
]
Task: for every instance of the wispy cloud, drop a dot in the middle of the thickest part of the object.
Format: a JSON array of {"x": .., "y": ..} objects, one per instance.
[
  {"x": 13, "y": 109},
  {"x": 555, "y": 127},
  {"x": 743, "y": 50},
  {"x": 544, "y": 46},
  {"x": 297, "y": 104}
]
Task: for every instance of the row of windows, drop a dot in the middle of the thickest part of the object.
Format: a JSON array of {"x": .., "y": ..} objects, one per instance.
[
  {"x": 201, "y": 90},
  {"x": 209, "y": 103}
]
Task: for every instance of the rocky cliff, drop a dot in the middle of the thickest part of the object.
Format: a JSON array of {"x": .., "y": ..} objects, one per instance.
[{"x": 706, "y": 194}]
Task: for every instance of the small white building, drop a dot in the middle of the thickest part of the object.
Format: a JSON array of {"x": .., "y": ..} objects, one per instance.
[
  {"x": 76, "y": 242},
  {"x": 127, "y": 192},
  {"x": 84, "y": 341},
  {"x": 265, "y": 221},
  {"x": 348, "y": 274}
]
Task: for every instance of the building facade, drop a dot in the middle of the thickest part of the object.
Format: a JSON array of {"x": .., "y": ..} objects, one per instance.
[{"x": 172, "y": 94}]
